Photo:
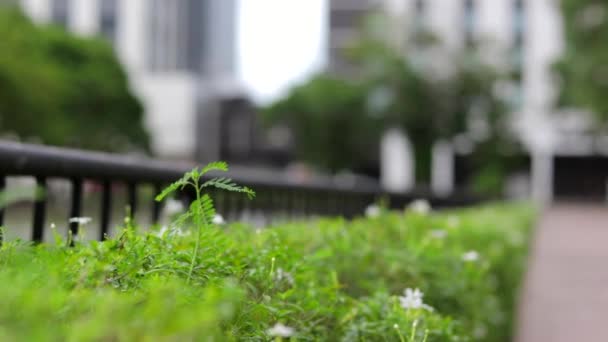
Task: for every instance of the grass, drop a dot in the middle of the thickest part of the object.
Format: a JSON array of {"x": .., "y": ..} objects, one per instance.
[{"x": 326, "y": 280}]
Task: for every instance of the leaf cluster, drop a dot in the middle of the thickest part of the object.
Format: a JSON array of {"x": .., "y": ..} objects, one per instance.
[
  {"x": 60, "y": 89},
  {"x": 201, "y": 210},
  {"x": 328, "y": 279},
  {"x": 581, "y": 72}
]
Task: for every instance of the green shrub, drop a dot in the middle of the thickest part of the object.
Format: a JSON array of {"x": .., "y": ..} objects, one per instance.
[
  {"x": 581, "y": 72},
  {"x": 328, "y": 280},
  {"x": 331, "y": 128},
  {"x": 60, "y": 89}
]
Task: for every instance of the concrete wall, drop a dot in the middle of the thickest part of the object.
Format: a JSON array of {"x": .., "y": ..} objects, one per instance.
[{"x": 171, "y": 110}]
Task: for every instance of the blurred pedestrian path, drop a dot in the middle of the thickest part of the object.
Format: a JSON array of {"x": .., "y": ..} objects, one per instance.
[{"x": 565, "y": 296}]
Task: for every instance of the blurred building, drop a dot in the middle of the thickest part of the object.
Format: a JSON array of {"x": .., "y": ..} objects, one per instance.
[
  {"x": 527, "y": 37},
  {"x": 180, "y": 56},
  {"x": 345, "y": 17}
]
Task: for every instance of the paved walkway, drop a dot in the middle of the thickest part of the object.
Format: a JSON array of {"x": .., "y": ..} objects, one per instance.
[{"x": 565, "y": 297}]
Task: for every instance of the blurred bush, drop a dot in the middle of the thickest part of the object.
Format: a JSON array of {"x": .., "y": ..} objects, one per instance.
[
  {"x": 436, "y": 94},
  {"x": 63, "y": 90},
  {"x": 584, "y": 67},
  {"x": 430, "y": 94},
  {"x": 327, "y": 280},
  {"x": 327, "y": 117}
]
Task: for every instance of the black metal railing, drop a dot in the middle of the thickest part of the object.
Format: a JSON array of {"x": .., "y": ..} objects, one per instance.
[{"x": 276, "y": 193}]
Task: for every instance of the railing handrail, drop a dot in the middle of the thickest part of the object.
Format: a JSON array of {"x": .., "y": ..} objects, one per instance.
[
  {"x": 59, "y": 162},
  {"x": 279, "y": 192}
]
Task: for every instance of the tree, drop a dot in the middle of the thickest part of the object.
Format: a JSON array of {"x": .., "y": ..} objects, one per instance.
[
  {"x": 338, "y": 120},
  {"x": 328, "y": 120},
  {"x": 430, "y": 105},
  {"x": 63, "y": 90},
  {"x": 584, "y": 67}
]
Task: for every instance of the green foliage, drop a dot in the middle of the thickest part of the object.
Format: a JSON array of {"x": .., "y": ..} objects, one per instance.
[
  {"x": 431, "y": 105},
  {"x": 65, "y": 90},
  {"x": 338, "y": 120},
  {"x": 328, "y": 119},
  {"x": 583, "y": 70},
  {"x": 202, "y": 211},
  {"x": 329, "y": 280}
]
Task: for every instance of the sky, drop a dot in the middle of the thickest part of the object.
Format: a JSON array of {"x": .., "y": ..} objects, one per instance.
[{"x": 280, "y": 43}]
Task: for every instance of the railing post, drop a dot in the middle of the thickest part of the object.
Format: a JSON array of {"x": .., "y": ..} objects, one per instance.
[
  {"x": 132, "y": 198},
  {"x": 106, "y": 206},
  {"x": 276, "y": 204},
  {"x": 156, "y": 206},
  {"x": 289, "y": 203},
  {"x": 2, "y": 208},
  {"x": 76, "y": 208},
  {"x": 39, "y": 210}
]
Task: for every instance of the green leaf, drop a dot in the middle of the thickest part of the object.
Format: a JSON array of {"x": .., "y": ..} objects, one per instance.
[
  {"x": 227, "y": 184},
  {"x": 180, "y": 221},
  {"x": 204, "y": 207},
  {"x": 215, "y": 166},
  {"x": 208, "y": 209},
  {"x": 178, "y": 184},
  {"x": 195, "y": 174}
]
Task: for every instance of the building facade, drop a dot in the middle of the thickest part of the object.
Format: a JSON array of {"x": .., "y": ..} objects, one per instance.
[
  {"x": 526, "y": 36},
  {"x": 180, "y": 57},
  {"x": 345, "y": 19}
]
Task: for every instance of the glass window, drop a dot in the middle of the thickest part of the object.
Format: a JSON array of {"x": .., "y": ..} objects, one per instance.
[
  {"x": 469, "y": 19},
  {"x": 176, "y": 35},
  {"x": 60, "y": 12},
  {"x": 420, "y": 7},
  {"x": 519, "y": 32},
  {"x": 419, "y": 13},
  {"x": 196, "y": 34},
  {"x": 107, "y": 18},
  {"x": 519, "y": 22},
  {"x": 344, "y": 18}
]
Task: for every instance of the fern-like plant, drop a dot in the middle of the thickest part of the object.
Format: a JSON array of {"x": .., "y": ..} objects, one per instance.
[{"x": 202, "y": 210}]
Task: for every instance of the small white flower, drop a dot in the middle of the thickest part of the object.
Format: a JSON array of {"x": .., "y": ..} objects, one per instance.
[
  {"x": 162, "y": 231},
  {"x": 183, "y": 233},
  {"x": 166, "y": 231},
  {"x": 218, "y": 219},
  {"x": 439, "y": 234},
  {"x": 280, "y": 330},
  {"x": 53, "y": 226},
  {"x": 80, "y": 220},
  {"x": 284, "y": 276},
  {"x": 470, "y": 256},
  {"x": 372, "y": 211},
  {"x": 480, "y": 332},
  {"x": 453, "y": 222},
  {"x": 173, "y": 207},
  {"x": 413, "y": 300},
  {"x": 516, "y": 239},
  {"x": 420, "y": 206}
]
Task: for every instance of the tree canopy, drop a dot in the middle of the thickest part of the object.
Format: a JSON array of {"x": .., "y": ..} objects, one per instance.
[
  {"x": 339, "y": 119},
  {"x": 584, "y": 67},
  {"x": 328, "y": 120},
  {"x": 60, "y": 89}
]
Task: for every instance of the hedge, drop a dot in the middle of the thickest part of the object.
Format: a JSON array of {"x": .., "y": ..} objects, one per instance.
[{"x": 391, "y": 276}]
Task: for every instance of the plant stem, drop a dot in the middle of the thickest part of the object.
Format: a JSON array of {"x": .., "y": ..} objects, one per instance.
[
  {"x": 413, "y": 334},
  {"x": 401, "y": 338},
  {"x": 199, "y": 228}
]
